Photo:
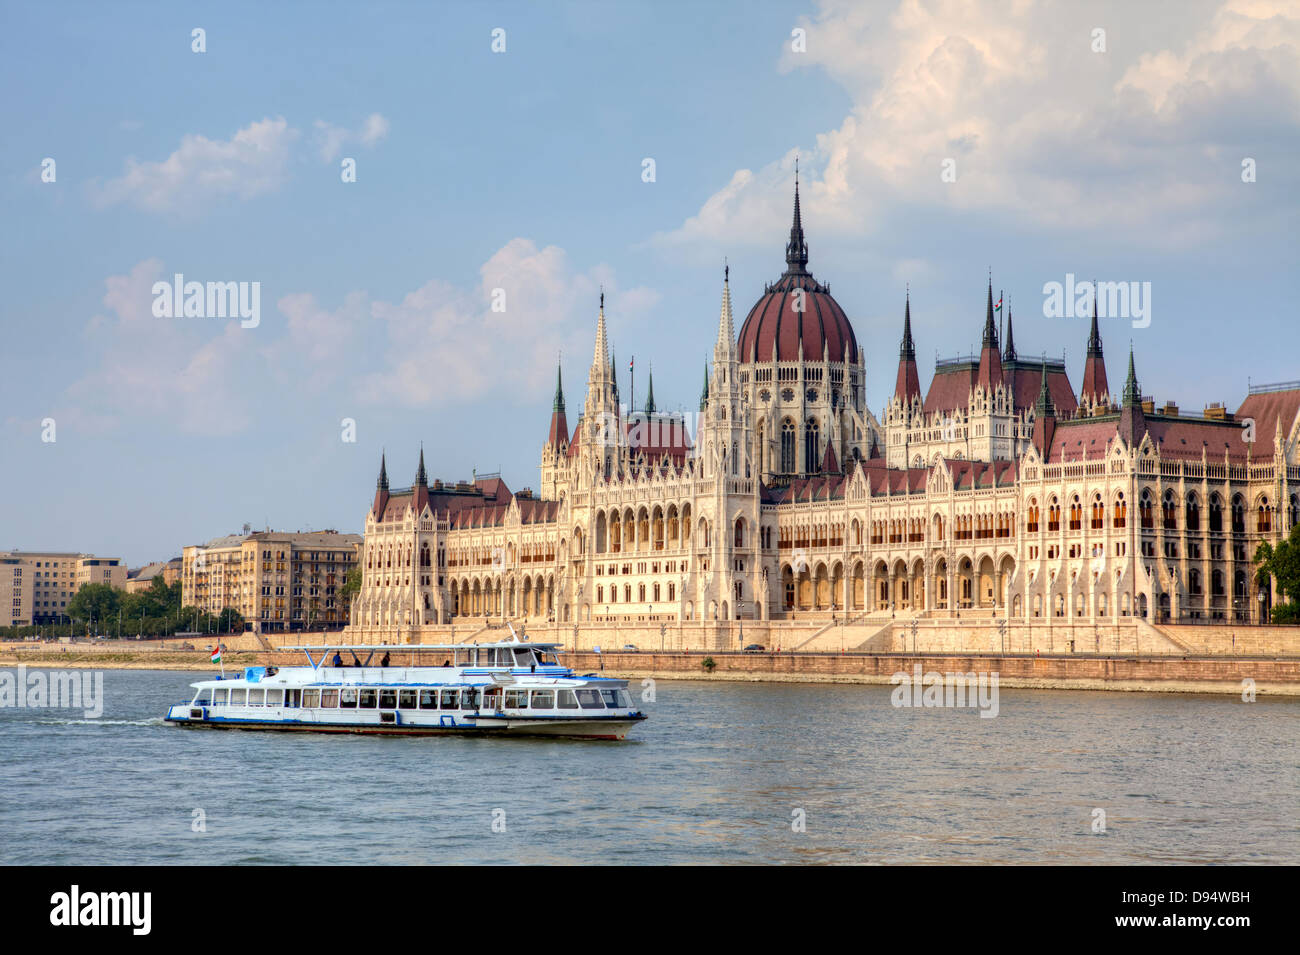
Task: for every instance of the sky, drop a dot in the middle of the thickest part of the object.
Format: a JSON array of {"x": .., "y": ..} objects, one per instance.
[{"x": 938, "y": 141}]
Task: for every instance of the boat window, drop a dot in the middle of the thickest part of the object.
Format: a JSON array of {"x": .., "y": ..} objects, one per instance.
[
  {"x": 449, "y": 698},
  {"x": 348, "y": 698},
  {"x": 468, "y": 699},
  {"x": 407, "y": 699},
  {"x": 543, "y": 699},
  {"x": 329, "y": 699},
  {"x": 590, "y": 700},
  {"x": 387, "y": 699},
  {"x": 311, "y": 698},
  {"x": 492, "y": 699},
  {"x": 219, "y": 696},
  {"x": 566, "y": 701},
  {"x": 523, "y": 658},
  {"x": 368, "y": 696},
  {"x": 517, "y": 699},
  {"x": 274, "y": 697},
  {"x": 610, "y": 699},
  {"x": 624, "y": 701},
  {"x": 428, "y": 699},
  {"x": 238, "y": 696},
  {"x": 546, "y": 659},
  {"x": 204, "y": 695}
]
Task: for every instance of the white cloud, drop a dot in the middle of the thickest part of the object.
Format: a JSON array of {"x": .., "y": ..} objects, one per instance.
[
  {"x": 438, "y": 346},
  {"x": 252, "y": 162},
  {"x": 189, "y": 372},
  {"x": 1042, "y": 129},
  {"x": 330, "y": 139},
  {"x": 446, "y": 345}
]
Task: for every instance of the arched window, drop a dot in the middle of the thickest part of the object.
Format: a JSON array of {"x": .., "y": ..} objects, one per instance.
[
  {"x": 787, "y": 446},
  {"x": 811, "y": 444}
]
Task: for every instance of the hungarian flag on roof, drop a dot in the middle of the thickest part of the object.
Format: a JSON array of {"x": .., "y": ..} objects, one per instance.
[
  {"x": 998, "y": 307},
  {"x": 631, "y": 363},
  {"x": 216, "y": 654}
]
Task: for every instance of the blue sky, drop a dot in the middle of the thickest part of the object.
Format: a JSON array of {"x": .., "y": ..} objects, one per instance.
[{"x": 522, "y": 170}]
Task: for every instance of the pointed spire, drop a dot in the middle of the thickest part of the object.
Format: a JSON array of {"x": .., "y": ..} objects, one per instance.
[
  {"x": 990, "y": 330},
  {"x": 1094, "y": 337},
  {"x": 559, "y": 433},
  {"x": 704, "y": 394},
  {"x": 650, "y": 393},
  {"x": 602, "y": 339},
  {"x": 726, "y": 327},
  {"x": 381, "y": 489},
  {"x": 1096, "y": 390},
  {"x": 990, "y": 370},
  {"x": 907, "y": 351},
  {"x": 1132, "y": 393},
  {"x": 1044, "y": 418},
  {"x": 1044, "y": 407},
  {"x": 421, "y": 476},
  {"x": 908, "y": 383},
  {"x": 830, "y": 464},
  {"x": 796, "y": 250},
  {"x": 613, "y": 369},
  {"x": 1009, "y": 351}
]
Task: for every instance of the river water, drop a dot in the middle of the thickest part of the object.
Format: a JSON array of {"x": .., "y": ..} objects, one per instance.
[{"x": 720, "y": 773}]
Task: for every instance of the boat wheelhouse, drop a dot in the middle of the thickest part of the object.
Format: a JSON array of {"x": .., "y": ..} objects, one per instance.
[{"x": 509, "y": 688}]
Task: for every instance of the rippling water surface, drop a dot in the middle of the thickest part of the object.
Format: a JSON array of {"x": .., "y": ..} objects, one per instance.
[{"x": 715, "y": 775}]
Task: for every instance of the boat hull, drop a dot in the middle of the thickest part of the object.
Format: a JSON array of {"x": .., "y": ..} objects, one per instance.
[{"x": 608, "y": 729}]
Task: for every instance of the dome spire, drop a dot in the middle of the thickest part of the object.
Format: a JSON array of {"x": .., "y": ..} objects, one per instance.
[
  {"x": 382, "y": 483},
  {"x": 796, "y": 250},
  {"x": 1009, "y": 351},
  {"x": 650, "y": 393}
]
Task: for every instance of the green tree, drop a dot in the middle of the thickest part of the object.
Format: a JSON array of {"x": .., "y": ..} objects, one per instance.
[
  {"x": 1283, "y": 564},
  {"x": 98, "y": 602},
  {"x": 351, "y": 587}
]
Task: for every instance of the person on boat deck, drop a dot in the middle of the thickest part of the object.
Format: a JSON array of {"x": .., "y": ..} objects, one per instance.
[
  {"x": 338, "y": 660},
  {"x": 355, "y": 661},
  {"x": 384, "y": 661},
  {"x": 446, "y": 663}
]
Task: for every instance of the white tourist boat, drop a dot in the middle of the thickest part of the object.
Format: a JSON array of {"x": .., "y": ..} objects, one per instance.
[{"x": 509, "y": 688}]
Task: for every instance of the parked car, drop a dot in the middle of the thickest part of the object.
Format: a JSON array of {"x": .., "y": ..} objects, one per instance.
[
  {"x": 630, "y": 646},
  {"x": 755, "y": 648}
]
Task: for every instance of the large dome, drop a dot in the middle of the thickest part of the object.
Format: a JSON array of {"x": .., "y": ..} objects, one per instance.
[{"x": 775, "y": 329}]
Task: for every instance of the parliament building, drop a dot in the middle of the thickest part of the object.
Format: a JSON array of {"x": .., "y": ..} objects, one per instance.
[{"x": 1002, "y": 491}]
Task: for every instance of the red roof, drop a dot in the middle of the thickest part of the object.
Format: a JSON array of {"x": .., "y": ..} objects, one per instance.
[
  {"x": 952, "y": 383},
  {"x": 1267, "y": 408},
  {"x": 773, "y": 330}
]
